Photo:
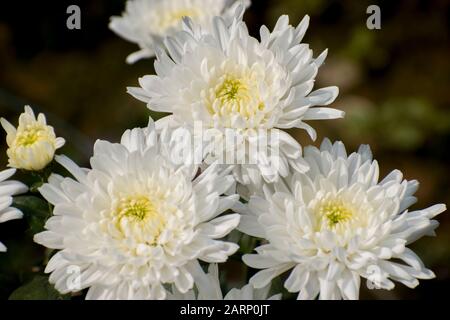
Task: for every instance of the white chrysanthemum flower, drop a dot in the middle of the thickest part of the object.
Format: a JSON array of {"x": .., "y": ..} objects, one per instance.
[
  {"x": 33, "y": 144},
  {"x": 336, "y": 224},
  {"x": 147, "y": 22},
  {"x": 135, "y": 221},
  {"x": 208, "y": 288},
  {"x": 8, "y": 189},
  {"x": 226, "y": 79}
]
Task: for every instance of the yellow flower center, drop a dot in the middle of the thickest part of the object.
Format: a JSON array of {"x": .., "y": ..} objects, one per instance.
[
  {"x": 173, "y": 18},
  {"x": 30, "y": 135},
  {"x": 235, "y": 96},
  {"x": 230, "y": 89},
  {"x": 138, "y": 208},
  {"x": 334, "y": 212},
  {"x": 138, "y": 217}
]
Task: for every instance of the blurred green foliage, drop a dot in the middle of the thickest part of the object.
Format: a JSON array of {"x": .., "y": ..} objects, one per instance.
[
  {"x": 37, "y": 289},
  {"x": 402, "y": 124}
]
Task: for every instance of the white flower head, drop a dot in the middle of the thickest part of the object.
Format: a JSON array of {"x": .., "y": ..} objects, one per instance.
[
  {"x": 147, "y": 22},
  {"x": 338, "y": 223},
  {"x": 227, "y": 79},
  {"x": 135, "y": 221},
  {"x": 208, "y": 288},
  {"x": 33, "y": 144},
  {"x": 9, "y": 188}
]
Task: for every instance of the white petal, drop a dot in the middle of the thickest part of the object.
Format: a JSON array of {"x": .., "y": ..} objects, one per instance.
[
  {"x": 264, "y": 277},
  {"x": 220, "y": 227}
]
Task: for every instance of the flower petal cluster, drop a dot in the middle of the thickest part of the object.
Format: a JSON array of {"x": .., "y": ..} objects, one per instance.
[
  {"x": 208, "y": 288},
  {"x": 135, "y": 222},
  {"x": 337, "y": 223},
  {"x": 147, "y": 22},
  {"x": 8, "y": 189},
  {"x": 227, "y": 80}
]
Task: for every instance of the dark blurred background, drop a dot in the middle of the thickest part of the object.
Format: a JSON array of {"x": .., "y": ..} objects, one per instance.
[{"x": 394, "y": 86}]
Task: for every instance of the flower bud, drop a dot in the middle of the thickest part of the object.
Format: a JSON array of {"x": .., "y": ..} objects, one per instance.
[{"x": 33, "y": 144}]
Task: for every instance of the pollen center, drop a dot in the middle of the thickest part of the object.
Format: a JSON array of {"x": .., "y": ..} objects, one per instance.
[
  {"x": 138, "y": 208},
  {"x": 230, "y": 89},
  {"x": 138, "y": 218},
  {"x": 29, "y": 136},
  {"x": 235, "y": 96},
  {"x": 334, "y": 213}
]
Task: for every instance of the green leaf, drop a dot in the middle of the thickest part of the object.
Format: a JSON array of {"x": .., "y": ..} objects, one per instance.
[
  {"x": 37, "y": 289},
  {"x": 35, "y": 210}
]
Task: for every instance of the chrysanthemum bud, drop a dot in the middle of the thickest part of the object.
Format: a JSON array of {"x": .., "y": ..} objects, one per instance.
[{"x": 32, "y": 145}]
